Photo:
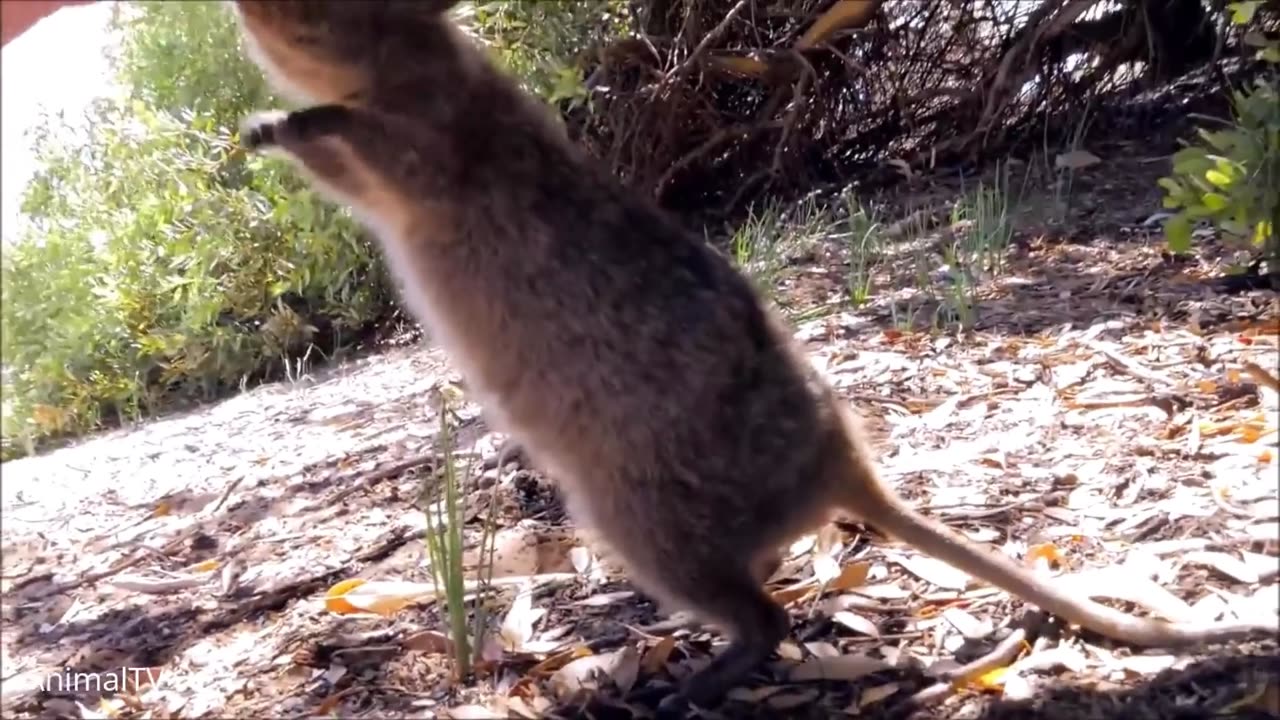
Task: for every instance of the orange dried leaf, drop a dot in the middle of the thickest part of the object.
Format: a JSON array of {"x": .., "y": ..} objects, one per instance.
[
  {"x": 1208, "y": 386},
  {"x": 162, "y": 509},
  {"x": 991, "y": 680},
  {"x": 431, "y": 642},
  {"x": 844, "y": 14},
  {"x": 853, "y": 575},
  {"x": 1265, "y": 457},
  {"x": 335, "y": 603},
  {"x": 743, "y": 65},
  {"x": 559, "y": 660},
  {"x": 1249, "y": 432},
  {"x": 1044, "y": 551},
  {"x": 788, "y": 595},
  {"x": 206, "y": 566},
  {"x": 656, "y": 657},
  {"x": 1233, "y": 376}
]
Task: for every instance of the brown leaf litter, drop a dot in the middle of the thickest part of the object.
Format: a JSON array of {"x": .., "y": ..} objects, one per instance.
[{"x": 1109, "y": 416}]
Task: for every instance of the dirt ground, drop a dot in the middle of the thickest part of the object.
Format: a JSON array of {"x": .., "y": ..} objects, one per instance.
[{"x": 1113, "y": 412}]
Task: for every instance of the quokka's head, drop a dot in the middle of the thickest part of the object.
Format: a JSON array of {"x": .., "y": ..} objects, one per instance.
[{"x": 332, "y": 51}]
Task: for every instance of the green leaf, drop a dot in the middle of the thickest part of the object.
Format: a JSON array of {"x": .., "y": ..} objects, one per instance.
[
  {"x": 1214, "y": 201},
  {"x": 1218, "y": 178},
  {"x": 1262, "y": 231},
  {"x": 1242, "y": 12},
  {"x": 1177, "y": 231}
]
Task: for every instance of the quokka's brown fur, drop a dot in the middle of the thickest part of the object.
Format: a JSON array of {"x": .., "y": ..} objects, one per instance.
[{"x": 626, "y": 358}]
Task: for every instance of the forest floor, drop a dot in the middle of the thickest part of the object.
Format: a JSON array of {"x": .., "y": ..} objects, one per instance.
[{"x": 1112, "y": 414}]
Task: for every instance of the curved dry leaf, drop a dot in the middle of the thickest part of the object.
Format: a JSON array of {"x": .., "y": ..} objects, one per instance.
[
  {"x": 817, "y": 648},
  {"x": 1146, "y": 665},
  {"x": 743, "y": 65},
  {"x": 802, "y": 545},
  {"x": 1017, "y": 687},
  {"x": 1263, "y": 531},
  {"x": 604, "y": 599},
  {"x": 966, "y": 624},
  {"x": 851, "y": 576},
  {"x": 428, "y": 641},
  {"x": 790, "y": 594},
  {"x": 825, "y": 569},
  {"x": 621, "y": 667},
  {"x": 884, "y": 591},
  {"x": 582, "y": 559},
  {"x": 935, "y": 572},
  {"x": 1224, "y": 564},
  {"x": 520, "y": 708},
  {"x": 157, "y": 586},
  {"x": 791, "y": 699},
  {"x": 1051, "y": 658},
  {"x": 559, "y": 660},
  {"x": 1076, "y": 160},
  {"x": 655, "y": 658},
  {"x": 844, "y": 667},
  {"x": 517, "y": 626},
  {"x": 790, "y": 651},
  {"x": 1139, "y": 590},
  {"x": 842, "y": 15},
  {"x": 379, "y": 597},
  {"x": 472, "y": 712},
  {"x": 993, "y": 679},
  {"x": 872, "y": 695},
  {"x": 857, "y": 623}
]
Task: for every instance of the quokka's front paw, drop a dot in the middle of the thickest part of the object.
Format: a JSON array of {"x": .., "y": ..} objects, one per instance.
[{"x": 259, "y": 129}]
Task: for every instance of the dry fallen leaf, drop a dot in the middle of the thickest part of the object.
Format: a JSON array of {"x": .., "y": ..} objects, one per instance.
[
  {"x": 791, "y": 699},
  {"x": 1047, "y": 552},
  {"x": 871, "y": 696},
  {"x": 428, "y": 641},
  {"x": 622, "y": 667},
  {"x": 935, "y": 571},
  {"x": 1076, "y": 160},
  {"x": 843, "y": 14},
  {"x": 605, "y": 599},
  {"x": 655, "y": 658},
  {"x": 517, "y": 626},
  {"x": 844, "y": 667},
  {"x": 825, "y": 569},
  {"x": 472, "y": 712},
  {"x": 856, "y": 623},
  {"x": 357, "y": 596},
  {"x": 966, "y": 624},
  {"x": 818, "y": 648},
  {"x": 744, "y": 65},
  {"x": 991, "y": 680},
  {"x": 851, "y": 576},
  {"x": 559, "y": 660},
  {"x": 1223, "y": 563}
]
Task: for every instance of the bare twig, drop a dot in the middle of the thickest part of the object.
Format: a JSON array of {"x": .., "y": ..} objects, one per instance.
[{"x": 707, "y": 40}]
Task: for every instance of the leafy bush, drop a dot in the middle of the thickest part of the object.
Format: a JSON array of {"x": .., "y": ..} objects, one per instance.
[
  {"x": 543, "y": 43},
  {"x": 1232, "y": 176},
  {"x": 158, "y": 262}
]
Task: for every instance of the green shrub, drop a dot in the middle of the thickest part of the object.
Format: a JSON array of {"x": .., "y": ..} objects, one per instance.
[
  {"x": 544, "y": 42},
  {"x": 1231, "y": 177},
  {"x": 158, "y": 262}
]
